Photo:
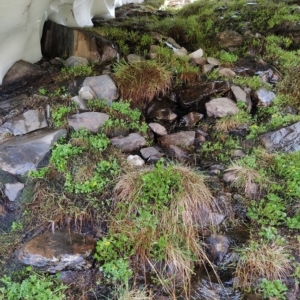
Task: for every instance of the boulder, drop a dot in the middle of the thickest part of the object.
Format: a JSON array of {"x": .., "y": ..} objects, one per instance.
[
  {"x": 150, "y": 152},
  {"x": 56, "y": 252},
  {"x": 24, "y": 153},
  {"x": 265, "y": 97},
  {"x": 286, "y": 139},
  {"x": 158, "y": 129}
]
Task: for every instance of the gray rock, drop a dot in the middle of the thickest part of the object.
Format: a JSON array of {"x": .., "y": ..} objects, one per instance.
[
  {"x": 158, "y": 129},
  {"x": 226, "y": 72},
  {"x": 230, "y": 39},
  {"x": 150, "y": 151},
  {"x": 13, "y": 190},
  {"x": 221, "y": 107},
  {"x": 57, "y": 252},
  {"x": 180, "y": 139},
  {"x": 178, "y": 153},
  {"x": 80, "y": 102},
  {"x": 29, "y": 121},
  {"x": 239, "y": 93},
  {"x": 135, "y": 160},
  {"x": 213, "y": 61},
  {"x": 73, "y": 61},
  {"x": 180, "y": 52},
  {"x": 23, "y": 153},
  {"x": 88, "y": 120},
  {"x": 286, "y": 139},
  {"x": 133, "y": 141},
  {"x": 86, "y": 93},
  {"x": 265, "y": 97},
  {"x": 103, "y": 86}
]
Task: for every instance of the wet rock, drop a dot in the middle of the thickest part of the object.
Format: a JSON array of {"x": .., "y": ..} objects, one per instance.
[
  {"x": 29, "y": 121},
  {"x": 86, "y": 93},
  {"x": 265, "y": 97},
  {"x": 230, "y": 39},
  {"x": 218, "y": 246},
  {"x": 286, "y": 139},
  {"x": 80, "y": 102},
  {"x": 23, "y": 153},
  {"x": 192, "y": 97},
  {"x": 158, "y": 129},
  {"x": 239, "y": 93},
  {"x": 226, "y": 72},
  {"x": 133, "y": 141},
  {"x": 103, "y": 86},
  {"x": 196, "y": 54},
  {"x": 191, "y": 119},
  {"x": 135, "y": 160},
  {"x": 221, "y": 107},
  {"x": 207, "y": 68},
  {"x": 73, "y": 61},
  {"x": 150, "y": 151},
  {"x": 180, "y": 139},
  {"x": 11, "y": 108},
  {"x": 213, "y": 61},
  {"x": 57, "y": 252},
  {"x": 88, "y": 120},
  {"x": 22, "y": 70},
  {"x": 178, "y": 153},
  {"x": 13, "y": 190}
]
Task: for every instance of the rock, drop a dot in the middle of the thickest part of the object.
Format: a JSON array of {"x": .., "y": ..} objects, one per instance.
[
  {"x": 103, "y": 86},
  {"x": 182, "y": 138},
  {"x": 22, "y": 70},
  {"x": 164, "y": 114},
  {"x": 134, "y": 57},
  {"x": 286, "y": 139},
  {"x": 191, "y": 119},
  {"x": 158, "y": 129},
  {"x": 200, "y": 61},
  {"x": 74, "y": 61},
  {"x": 86, "y": 93},
  {"x": 29, "y": 121},
  {"x": 23, "y": 153},
  {"x": 56, "y": 252},
  {"x": 207, "y": 68},
  {"x": 150, "y": 151},
  {"x": 178, "y": 153},
  {"x": 80, "y": 102},
  {"x": 230, "y": 39},
  {"x": 171, "y": 42},
  {"x": 221, "y": 107},
  {"x": 196, "y": 54},
  {"x": 239, "y": 93},
  {"x": 13, "y": 190},
  {"x": 226, "y": 72},
  {"x": 133, "y": 141},
  {"x": 180, "y": 52},
  {"x": 88, "y": 120},
  {"x": 213, "y": 61},
  {"x": 11, "y": 108},
  {"x": 265, "y": 97},
  {"x": 218, "y": 246},
  {"x": 135, "y": 160},
  {"x": 237, "y": 153}
]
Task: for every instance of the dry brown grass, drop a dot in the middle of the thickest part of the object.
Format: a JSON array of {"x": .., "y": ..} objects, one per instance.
[
  {"x": 239, "y": 121},
  {"x": 141, "y": 81},
  {"x": 258, "y": 261}
]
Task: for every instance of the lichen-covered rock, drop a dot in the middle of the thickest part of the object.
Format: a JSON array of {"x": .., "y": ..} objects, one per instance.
[
  {"x": 88, "y": 120},
  {"x": 221, "y": 107}
]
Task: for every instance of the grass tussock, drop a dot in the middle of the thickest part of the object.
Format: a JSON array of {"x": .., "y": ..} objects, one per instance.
[
  {"x": 258, "y": 261},
  {"x": 239, "y": 121},
  {"x": 161, "y": 212},
  {"x": 141, "y": 81}
]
